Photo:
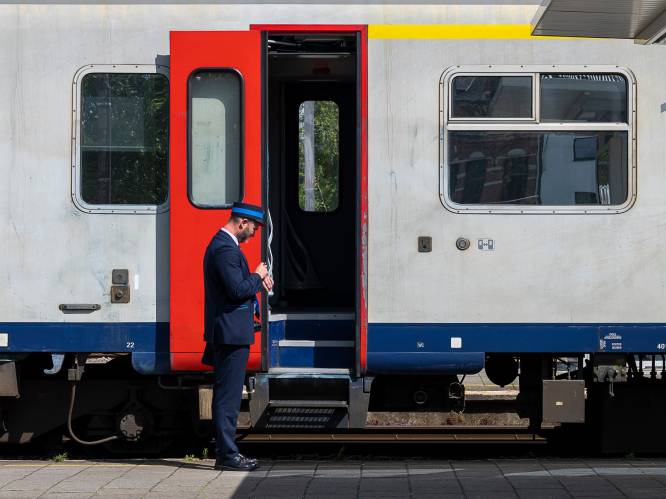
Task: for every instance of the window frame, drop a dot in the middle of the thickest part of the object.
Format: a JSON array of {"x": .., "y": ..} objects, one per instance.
[
  {"x": 447, "y": 123},
  {"x": 241, "y": 146},
  {"x": 76, "y": 170}
]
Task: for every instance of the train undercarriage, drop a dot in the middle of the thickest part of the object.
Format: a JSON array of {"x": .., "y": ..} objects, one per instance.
[{"x": 102, "y": 400}]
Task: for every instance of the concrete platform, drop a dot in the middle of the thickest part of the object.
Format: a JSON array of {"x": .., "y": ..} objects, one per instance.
[{"x": 497, "y": 479}]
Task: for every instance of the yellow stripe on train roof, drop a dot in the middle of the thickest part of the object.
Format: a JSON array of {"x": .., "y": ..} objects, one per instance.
[{"x": 455, "y": 31}]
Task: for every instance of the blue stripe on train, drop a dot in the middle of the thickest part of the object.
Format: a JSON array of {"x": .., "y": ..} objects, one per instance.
[
  {"x": 147, "y": 341},
  {"x": 433, "y": 347},
  {"x": 391, "y": 347},
  {"x": 561, "y": 338}
]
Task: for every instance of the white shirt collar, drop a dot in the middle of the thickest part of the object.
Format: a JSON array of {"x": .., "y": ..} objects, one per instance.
[{"x": 232, "y": 236}]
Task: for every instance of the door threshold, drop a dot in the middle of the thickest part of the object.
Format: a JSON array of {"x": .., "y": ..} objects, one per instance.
[
  {"x": 309, "y": 370},
  {"x": 311, "y": 316},
  {"x": 316, "y": 343}
]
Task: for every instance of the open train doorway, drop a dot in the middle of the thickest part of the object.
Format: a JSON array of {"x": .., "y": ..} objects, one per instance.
[{"x": 312, "y": 186}]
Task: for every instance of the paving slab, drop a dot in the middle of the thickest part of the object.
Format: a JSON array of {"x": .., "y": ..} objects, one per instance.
[
  {"x": 494, "y": 495},
  {"x": 66, "y": 495},
  {"x": 181, "y": 494},
  {"x": 436, "y": 496},
  {"x": 122, "y": 492},
  {"x": 13, "y": 475},
  {"x": 88, "y": 480},
  {"x": 20, "y": 493},
  {"x": 339, "y": 473},
  {"x": 324, "y": 489},
  {"x": 43, "y": 478},
  {"x": 448, "y": 489},
  {"x": 541, "y": 483},
  {"x": 546, "y": 478},
  {"x": 617, "y": 495},
  {"x": 543, "y": 494},
  {"x": 648, "y": 493}
]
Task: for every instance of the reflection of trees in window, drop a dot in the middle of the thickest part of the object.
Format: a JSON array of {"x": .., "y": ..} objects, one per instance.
[
  {"x": 124, "y": 138},
  {"x": 318, "y": 156}
]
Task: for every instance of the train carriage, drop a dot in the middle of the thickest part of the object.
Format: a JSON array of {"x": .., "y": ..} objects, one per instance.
[{"x": 448, "y": 186}]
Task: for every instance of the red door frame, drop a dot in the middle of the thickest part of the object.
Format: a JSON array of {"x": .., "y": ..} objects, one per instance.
[{"x": 362, "y": 225}]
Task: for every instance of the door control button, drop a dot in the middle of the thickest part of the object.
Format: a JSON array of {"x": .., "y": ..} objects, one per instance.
[{"x": 462, "y": 244}]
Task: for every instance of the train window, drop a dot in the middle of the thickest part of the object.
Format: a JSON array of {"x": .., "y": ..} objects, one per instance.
[
  {"x": 318, "y": 156},
  {"x": 573, "y": 155},
  {"x": 215, "y": 138},
  {"x": 592, "y": 98},
  {"x": 538, "y": 168},
  {"x": 478, "y": 96},
  {"x": 123, "y": 142}
]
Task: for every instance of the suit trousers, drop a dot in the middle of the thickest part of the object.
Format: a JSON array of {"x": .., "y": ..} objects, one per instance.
[{"x": 230, "y": 362}]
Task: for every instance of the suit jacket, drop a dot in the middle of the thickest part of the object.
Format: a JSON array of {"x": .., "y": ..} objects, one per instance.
[{"x": 230, "y": 293}]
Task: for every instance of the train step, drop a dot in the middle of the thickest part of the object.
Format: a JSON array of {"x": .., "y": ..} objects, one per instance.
[
  {"x": 317, "y": 326},
  {"x": 311, "y": 340},
  {"x": 313, "y": 356},
  {"x": 327, "y": 398},
  {"x": 305, "y": 417},
  {"x": 308, "y": 403}
]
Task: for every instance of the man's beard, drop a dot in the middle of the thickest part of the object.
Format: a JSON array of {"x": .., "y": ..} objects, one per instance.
[{"x": 244, "y": 235}]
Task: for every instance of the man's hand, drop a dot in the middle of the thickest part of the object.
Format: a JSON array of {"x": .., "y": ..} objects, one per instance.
[
  {"x": 268, "y": 283},
  {"x": 262, "y": 270}
]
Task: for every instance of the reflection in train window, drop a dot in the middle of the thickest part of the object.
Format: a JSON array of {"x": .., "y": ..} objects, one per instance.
[
  {"x": 215, "y": 138},
  {"x": 543, "y": 168},
  {"x": 563, "y": 145},
  {"x": 589, "y": 98},
  {"x": 124, "y": 138},
  {"x": 318, "y": 156},
  {"x": 477, "y": 96}
]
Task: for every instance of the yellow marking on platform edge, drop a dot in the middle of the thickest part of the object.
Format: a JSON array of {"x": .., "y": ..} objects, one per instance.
[{"x": 457, "y": 31}]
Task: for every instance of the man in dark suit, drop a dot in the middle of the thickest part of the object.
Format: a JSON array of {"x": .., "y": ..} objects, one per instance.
[{"x": 230, "y": 303}]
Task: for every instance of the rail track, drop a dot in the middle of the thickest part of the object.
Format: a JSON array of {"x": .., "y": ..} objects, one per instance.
[{"x": 452, "y": 434}]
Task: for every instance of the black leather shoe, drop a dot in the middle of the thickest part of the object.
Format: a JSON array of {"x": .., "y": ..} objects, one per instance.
[
  {"x": 237, "y": 463},
  {"x": 249, "y": 459},
  {"x": 218, "y": 462}
]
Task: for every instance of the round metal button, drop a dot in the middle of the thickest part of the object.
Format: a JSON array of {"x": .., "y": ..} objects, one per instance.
[{"x": 462, "y": 244}]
